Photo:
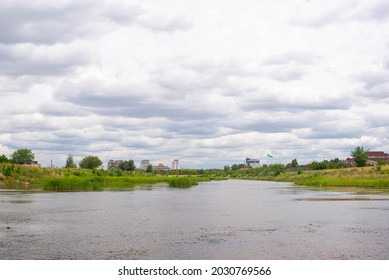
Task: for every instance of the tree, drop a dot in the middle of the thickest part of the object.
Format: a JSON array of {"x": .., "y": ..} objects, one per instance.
[
  {"x": 235, "y": 166},
  {"x": 149, "y": 168},
  {"x": 22, "y": 156},
  {"x": 127, "y": 165},
  {"x": 90, "y": 162},
  {"x": 294, "y": 163},
  {"x": 360, "y": 156},
  {"x": 4, "y": 159},
  {"x": 70, "y": 162}
]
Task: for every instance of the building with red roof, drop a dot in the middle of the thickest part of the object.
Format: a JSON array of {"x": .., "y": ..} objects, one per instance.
[{"x": 374, "y": 158}]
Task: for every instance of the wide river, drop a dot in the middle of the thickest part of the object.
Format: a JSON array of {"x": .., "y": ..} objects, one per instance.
[{"x": 214, "y": 220}]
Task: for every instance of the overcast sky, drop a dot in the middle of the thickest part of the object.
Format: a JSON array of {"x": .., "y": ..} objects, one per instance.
[{"x": 208, "y": 82}]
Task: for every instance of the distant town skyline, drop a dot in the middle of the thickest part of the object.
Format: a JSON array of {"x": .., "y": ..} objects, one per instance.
[{"x": 206, "y": 82}]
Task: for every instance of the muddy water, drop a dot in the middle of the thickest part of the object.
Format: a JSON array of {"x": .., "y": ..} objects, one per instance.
[{"x": 215, "y": 220}]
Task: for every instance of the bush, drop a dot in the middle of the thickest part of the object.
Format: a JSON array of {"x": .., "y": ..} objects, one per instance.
[{"x": 8, "y": 171}]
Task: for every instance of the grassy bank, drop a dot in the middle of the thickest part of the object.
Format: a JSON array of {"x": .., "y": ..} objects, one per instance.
[
  {"x": 364, "y": 177},
  {"x": 23, "y": 177},
  {"x": 374, "y": 178},
  {"x": 101, "y": 183}
]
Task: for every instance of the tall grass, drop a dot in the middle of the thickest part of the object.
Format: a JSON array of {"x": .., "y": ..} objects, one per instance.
[
  {"x": 182, "y": 182},
  {"x": 95, "y": 183},
  {"x": 344, "y": 182},
  {"x": 366, "y": 177}
]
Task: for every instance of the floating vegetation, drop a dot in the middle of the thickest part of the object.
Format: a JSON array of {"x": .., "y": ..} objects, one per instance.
[{"x": 182, "y": 182}]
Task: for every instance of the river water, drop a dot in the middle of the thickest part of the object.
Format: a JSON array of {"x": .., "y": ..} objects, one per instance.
[{"x": 214, "y": 220}]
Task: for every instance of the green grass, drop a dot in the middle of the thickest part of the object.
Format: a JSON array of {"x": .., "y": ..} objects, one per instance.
[
  {"x": 366, "y": 177},
  {"x": 101, "y": 183},
  {"x": 62, "y": 179},
  {"x": 182, "y": 182},
  {"x": 344, "y": 182}
]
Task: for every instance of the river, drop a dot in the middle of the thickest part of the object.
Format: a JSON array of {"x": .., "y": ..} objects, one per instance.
[{"x": 214, "y": 220}]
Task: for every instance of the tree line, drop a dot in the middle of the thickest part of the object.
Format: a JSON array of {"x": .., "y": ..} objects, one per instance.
[{"x": 359, "y": 156}]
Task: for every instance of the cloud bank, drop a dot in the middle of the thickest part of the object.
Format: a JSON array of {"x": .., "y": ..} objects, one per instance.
[{"x": 207, "y": 82}]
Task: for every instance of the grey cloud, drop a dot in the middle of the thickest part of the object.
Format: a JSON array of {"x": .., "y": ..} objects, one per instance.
[
  {"x": 26, "y": 123},
  {"x": 280, "y": 102},
  {"x": 288, "y": 73},
  {"x": 26, "y": 21},
  {"x": 290, "y": 65},
  {"x": 268, "y": 126},
  {"x": 122, "y": 12},
  {"x": 333, "y": 133},
  {"x": 153, "y": 108},
  {"x": 27, "y": 59},
  {"x": 319, "y": 20},
  {"x": 49, "y": 23},
  {"x": 345, "y": 12},
  {"x": 122, "y": 99},
  {"x": 191, "y": 75},
  {"x": 380, "y": 11},
  {"x": 62, "y": 109},
  {"x": 386, "y": 62},
  {"x": 165, "y": 24},
  {"x": 377, "y": 11},
  {"x": 375, "y": 83},
  {"x": 184, "y": 80},
  {"x": 305, "y": 124},
  {"x": 379, "y": 93},
  {"x": 372, "y": 79},
  {"x": 302, "y": 58}
]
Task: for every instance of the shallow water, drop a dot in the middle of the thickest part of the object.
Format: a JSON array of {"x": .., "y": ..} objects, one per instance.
[{"x": 215, "y": 220}]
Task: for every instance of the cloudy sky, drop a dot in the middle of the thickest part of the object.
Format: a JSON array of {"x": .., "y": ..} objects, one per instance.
[{"x": 206, "y": 82}]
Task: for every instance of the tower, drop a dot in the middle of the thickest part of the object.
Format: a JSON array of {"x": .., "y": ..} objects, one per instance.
[{"x": 175, "y": 164}]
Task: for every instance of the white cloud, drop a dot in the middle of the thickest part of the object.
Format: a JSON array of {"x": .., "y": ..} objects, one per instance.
[{"x": 209, "y": 82}]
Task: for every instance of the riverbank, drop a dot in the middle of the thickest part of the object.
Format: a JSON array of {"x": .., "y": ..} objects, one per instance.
[
  {"x": 364, "y": 177},
  {"x": 47, "y": 179},
  {"x": 62, "y": 179}
]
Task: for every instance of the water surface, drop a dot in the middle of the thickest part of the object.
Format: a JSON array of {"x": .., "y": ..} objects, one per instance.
[{"x": 215, "y": 220}]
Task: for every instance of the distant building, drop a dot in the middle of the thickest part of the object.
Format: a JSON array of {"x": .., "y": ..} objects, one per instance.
[
  {"x": 377, "y": 156},
  {"x": 32, "y": 164},
  {"x": 374, "y": 158},
  {"x": 161, "y": 166},
  {"x": 144, "y": 163},
  {"x": 114, "y": 163},
  {"x": 252, "y": 162},
  {"x": 244, "y": 169},
  {"x": 175, "y": 164}
]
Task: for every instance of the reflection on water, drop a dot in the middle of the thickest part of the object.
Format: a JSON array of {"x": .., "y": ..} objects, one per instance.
[{"x": 215, "y": 220}]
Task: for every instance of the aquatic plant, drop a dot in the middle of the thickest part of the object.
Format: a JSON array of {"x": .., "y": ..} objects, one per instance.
[{"x": 182, "y": 182}]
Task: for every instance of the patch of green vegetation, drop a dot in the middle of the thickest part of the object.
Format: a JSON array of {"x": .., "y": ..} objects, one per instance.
[
  {"x": 68, "y": 179},
  {"x": 344, "y": 182},
  {"x": 101, "y": 183},
  {"x": 366, "y": 177},
  {"x": 182, "y": 182}
]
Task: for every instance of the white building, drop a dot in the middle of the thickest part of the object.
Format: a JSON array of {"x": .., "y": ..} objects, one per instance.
[
  {"x": 175, "y": 164},
  {"x": 144, "y": 163},
  {"x": 253, "y": 163}
]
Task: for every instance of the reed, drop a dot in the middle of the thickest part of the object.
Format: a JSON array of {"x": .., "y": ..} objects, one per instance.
[
  {"x": 95, "y": 183},
  {"x": 182, "y": 182}
]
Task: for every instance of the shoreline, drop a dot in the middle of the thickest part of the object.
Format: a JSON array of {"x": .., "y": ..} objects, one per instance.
[{"x": 45, "y": 179}]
